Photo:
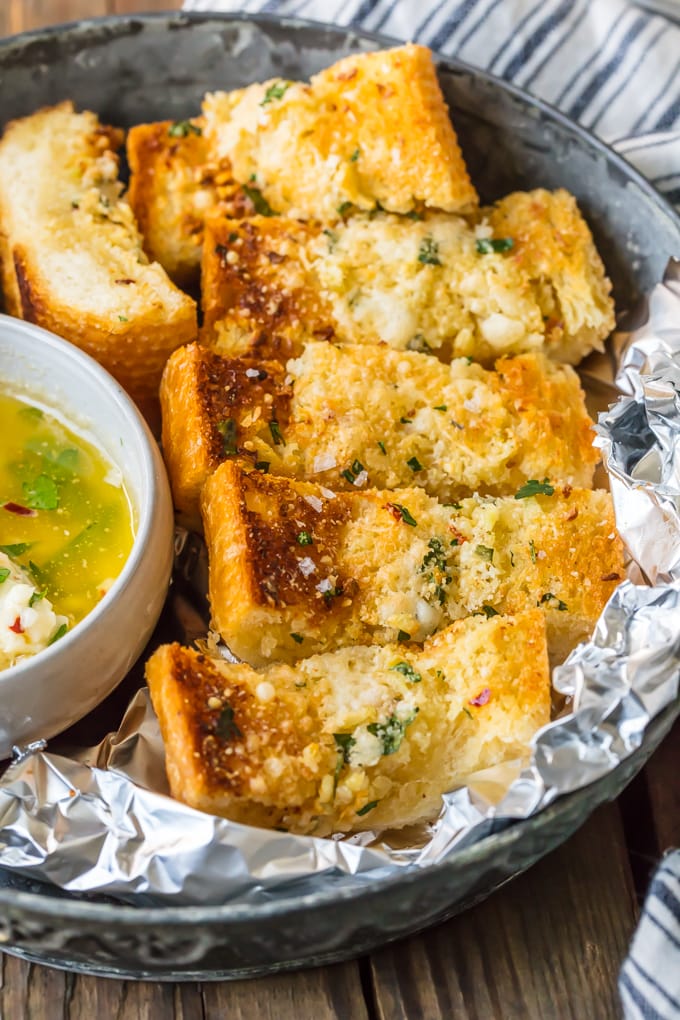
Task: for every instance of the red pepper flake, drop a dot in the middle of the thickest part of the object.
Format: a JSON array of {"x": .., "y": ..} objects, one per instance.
[
  {"x": 16, "y": 626},
  {"x": 17, "y": 508},
  {"x": 482, "y": 698}
]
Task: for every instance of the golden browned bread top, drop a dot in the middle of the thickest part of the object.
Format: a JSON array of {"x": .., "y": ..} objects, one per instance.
[
  {"x": 372, "y": 129},
  {"x": 358, "y": 738},
  {"x": 340, "y": 568},
  {"x": 350, "y": 417}
]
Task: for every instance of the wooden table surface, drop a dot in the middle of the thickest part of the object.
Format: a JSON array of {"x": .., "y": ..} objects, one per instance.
[{"x": 548, "y": 945}]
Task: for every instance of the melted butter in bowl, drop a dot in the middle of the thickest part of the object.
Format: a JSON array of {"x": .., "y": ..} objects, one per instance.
[
  {"x": 65, "y": 523},
  {"x": 86, "y": 534}
]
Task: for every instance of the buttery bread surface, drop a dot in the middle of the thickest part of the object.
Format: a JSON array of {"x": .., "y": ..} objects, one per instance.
[
  {"x": 371, "y": 130},
  {"x": 437, "y": 283},
  {"x": 350, "y": 417},
  {"x": 360, "y": 738},
  {"x": 371, "y": 567}
]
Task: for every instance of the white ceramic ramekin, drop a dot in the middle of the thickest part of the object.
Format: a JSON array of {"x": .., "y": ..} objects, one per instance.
[{"x": 43, "y": 695}]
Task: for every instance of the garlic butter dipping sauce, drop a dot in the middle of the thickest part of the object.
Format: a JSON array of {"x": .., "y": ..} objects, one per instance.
[{"x": 66, "y": 527}]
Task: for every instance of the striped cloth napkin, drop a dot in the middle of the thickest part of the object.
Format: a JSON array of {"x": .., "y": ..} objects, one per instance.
[{"x": 614, "y": 66}]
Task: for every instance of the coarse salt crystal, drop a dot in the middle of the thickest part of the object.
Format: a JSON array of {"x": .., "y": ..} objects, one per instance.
[
  {"x": 306, "y": 566},
  {"x": 324, "y": 462}
]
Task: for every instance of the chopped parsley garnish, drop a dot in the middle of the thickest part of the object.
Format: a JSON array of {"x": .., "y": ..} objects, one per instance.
[
  {"x": 402, "y": 636},
  {"x": 405, "y": 421},
  {"x": 4, "y": 574},
  {"x": 485, "y": 552},
  {"x": 489, "y": 611},
  {"x": 535, "y": 488},
  {"x": 344, "y": 207},
  {"x": 351, "y": 474},
  {"x": 59, "y": 633},
  {"x": 435, "y": 561},
  {"x": 407, "y": 670},
  {"x": 298, "y": 638},
  {"x": 428, "y": 253},
  {"x": 382, "y": 447},
  {"x": 275, "y": 91},
  {"x": 440, "y": 407},
  {"x": 276, "y": 433},
  {"x": 404, "y": 513},
  {"x": 414, "y": 464},
  {"x": 42, "y": 493},
  {"x": 31, "y": 412},
  {"x": 354, "y": 157},
  {"x": 226, "y": 728},
  {"x": 332, "y": 238},
  {"x": 263, "y": 466},
  {"x": 486, "y": 245},
  {"x": 391, "y": 733},
  {"x": 260, "y": 203},
  {"x": 304, "y": 538},
  {"x": 122, "y": 318},
  {"x": 414, "y": 215},
  {"x": 182, "y": 128},
  {"x": 561, "y": 606},
  {"x": 532, "y": 550},
  {"x": 37, "y": 596},
  {"x": 344, "y": 743},
  {"x": 368, "y": 807},
  {"x": 227, "y": 429},
  {"x": 419, "y": 343},
  {"x": 467, "y": 712}
]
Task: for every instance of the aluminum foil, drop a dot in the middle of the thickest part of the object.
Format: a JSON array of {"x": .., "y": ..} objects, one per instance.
[{"x": 100, "y": 820}]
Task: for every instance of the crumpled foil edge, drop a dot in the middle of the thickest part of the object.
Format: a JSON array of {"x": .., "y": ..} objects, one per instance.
[{"x": 105, "y": 824}]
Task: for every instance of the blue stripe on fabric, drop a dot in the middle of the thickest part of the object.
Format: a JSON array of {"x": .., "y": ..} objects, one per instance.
[
  {"x": 655, "y": 984},
  {"x": 586, "y": 97},
  {"x": 526, "y": 82},
  {"x": 642, "y": 118},
  {"x": 667, "y": 933},
  {"x": 365, "y": 9},
  {"x": 478, "y": 24},
  {"x": 668, "y": 118},
  {"x": 423, "y": 25},
  {"x": 451, "y": 24},
  {"x": 629, "y": 74},
  {"x": 636, "y": 144},
  {"x": 542, "y": 32},
  {"x": 664, "y": 893},
  {"x": 376, "y": 24},
  {"x": 517, "y": 31},
  {"x": 640, "y": 1000},
  {"x": 596, "y": 55}
]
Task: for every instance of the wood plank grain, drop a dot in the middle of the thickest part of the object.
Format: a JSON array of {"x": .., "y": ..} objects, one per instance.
[
  {"x": 547, "y": 945},
  {"x": 663, "y": 788},
  {"x": 329, "y": 993},
  {"x": 23, "y": 15},
  {"x": 133, "y": 6}
]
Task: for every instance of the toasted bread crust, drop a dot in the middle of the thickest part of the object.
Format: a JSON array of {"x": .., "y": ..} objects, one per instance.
[
  {"x": 71, "y": 255},
  {"x": 174, "y": 183},
  {"x": 372, "y": 129},
  {"x": 554, "y": 249},
  {"x": 295, "y": 747},
  {"x": 210, "y": 408},
  {"x": 351, "y": 417},
  {"x": 431, "y": 284},
  {"x": 294, "y": 558}
]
